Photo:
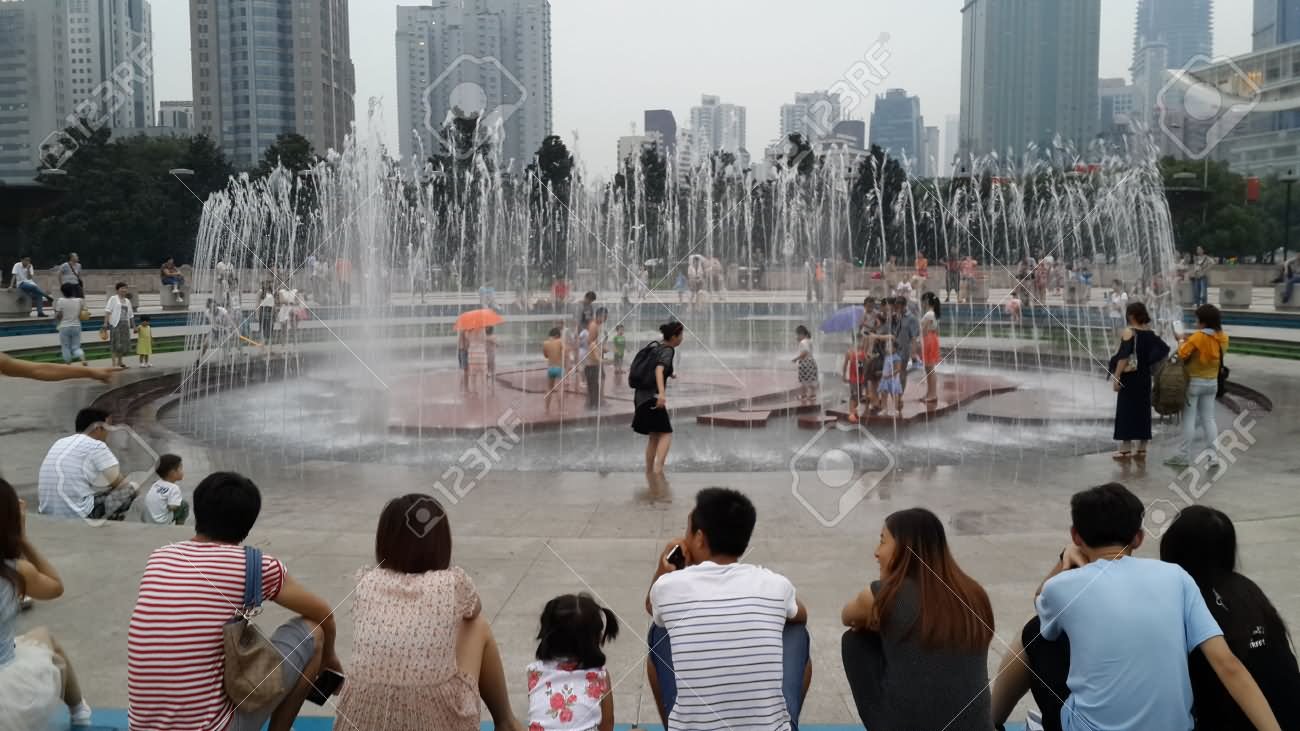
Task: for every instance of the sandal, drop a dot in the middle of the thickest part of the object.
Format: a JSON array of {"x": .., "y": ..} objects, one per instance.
[{"x": 1121, "y": 456}]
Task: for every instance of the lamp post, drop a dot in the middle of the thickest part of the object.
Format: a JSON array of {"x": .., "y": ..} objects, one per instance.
[{"x": 1290, "y": 179}]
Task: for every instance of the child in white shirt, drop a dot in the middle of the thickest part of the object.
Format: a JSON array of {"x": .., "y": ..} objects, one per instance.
[{"x": 164, "y": 504}]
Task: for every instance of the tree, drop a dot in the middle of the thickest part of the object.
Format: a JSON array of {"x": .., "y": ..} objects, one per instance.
[
  {"x": 291, "y": 150},
  {"x": 550, "y": 176},
  {"x": 1218, "y": 217},
  {"x": 123, "y": 209}
]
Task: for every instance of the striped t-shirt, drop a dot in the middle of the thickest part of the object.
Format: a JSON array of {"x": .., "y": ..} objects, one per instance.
[
  {"x": 175, "y": 662},
  {"x": 725, "y": 624}
]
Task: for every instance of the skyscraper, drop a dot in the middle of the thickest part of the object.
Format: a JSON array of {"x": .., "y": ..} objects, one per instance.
[
  {"x": 933, "y": 153},
  {"x": 1185, "y": 26},
  {"x": 494, "y": 55},
  {"x": 951, "y": 137},
  {"x": 717, "y": 125},
  {"x": 35, "y": 87},
  {"x": 106, "y": 38},
  {"x": 1029, "y": 74},
  {"x": 262, "y": 68},
  {"x": 1276, "y": 22},
  {"x": 898, "y": 128},
  {"x": 813, "y": 114},
  {"x": 661, "y": 126}
]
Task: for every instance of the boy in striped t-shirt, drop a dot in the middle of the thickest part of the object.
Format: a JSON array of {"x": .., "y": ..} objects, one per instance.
[{"x": 728, "y": 646}]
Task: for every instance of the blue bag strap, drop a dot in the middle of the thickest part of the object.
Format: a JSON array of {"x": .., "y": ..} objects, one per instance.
[{"x": 252, "y": 577}]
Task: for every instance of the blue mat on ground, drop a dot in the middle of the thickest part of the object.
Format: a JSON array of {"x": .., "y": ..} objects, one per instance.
[{"x": 115, "y": 720}]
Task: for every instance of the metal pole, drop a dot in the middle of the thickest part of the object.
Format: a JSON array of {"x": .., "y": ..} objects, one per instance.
[{"x": 1286, "y": 221}]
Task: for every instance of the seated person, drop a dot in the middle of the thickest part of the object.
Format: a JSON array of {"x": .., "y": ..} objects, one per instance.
[
  {"x": 914, "y": 664},
  {"x": 190, "y": 590},
  {"x": 1108, "y": 648},
  {"x": 171, "y": 277},
  {"x": 164, "y": 504},
  {"x": 80, "y": 476},
  {"x": 1203, "y": 541},
  {"x": 732, "y": 635}
]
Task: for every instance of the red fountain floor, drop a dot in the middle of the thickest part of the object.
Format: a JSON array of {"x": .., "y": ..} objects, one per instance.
[{"x": 434, "y": 401}]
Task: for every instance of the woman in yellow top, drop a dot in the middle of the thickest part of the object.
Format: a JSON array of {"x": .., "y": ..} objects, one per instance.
[{"x": 1202, "y": 351}]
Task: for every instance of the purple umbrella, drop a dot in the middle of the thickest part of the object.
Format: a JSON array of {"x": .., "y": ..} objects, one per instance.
[{"x": 843, "y": 321}]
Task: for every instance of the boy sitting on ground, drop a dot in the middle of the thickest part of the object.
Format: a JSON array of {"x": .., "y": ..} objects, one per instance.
[{"x": 164, "y": 504}]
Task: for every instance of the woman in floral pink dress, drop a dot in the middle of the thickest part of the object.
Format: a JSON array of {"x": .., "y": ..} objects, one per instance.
[
  {"x": 568, "y": 686},
  {"x": 422, "y": 654}
]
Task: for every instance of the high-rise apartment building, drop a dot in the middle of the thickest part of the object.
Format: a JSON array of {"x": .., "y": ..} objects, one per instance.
[
  {"x": 1185, "y": 26},
  {"x": 492, "y": 55},
  {"x": 112, "y": 40},
  {"x": 1276, "y": 23},
  {"x": 718, "y": 126},
  {"x": 35, "y": 99},
  {"x": 1029, "y": 74},
  {"x": 813, "y": 114},
  {"x": 898, "y": 128},
  {"x": 933, "y": 153},
  {"x": 262, "y": 68},
  {"x": 951, "y": 137},
  {"x": 661, "y": 126}
]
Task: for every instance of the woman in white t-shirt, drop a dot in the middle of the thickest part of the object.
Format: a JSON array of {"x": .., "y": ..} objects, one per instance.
[{"x": 67, "y": 318}]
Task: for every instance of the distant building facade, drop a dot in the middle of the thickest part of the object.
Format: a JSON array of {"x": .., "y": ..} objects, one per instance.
[
  {"x": 176, "y": 115},
  {"x": 499, "y": 49},
  {"x": 720, "y": 126},
  {"x": 661, "y": 126},
  {"x": 1275, "y": 23},
  {"x": 1186, "y": 27},
  {"x": 852, "y": 129},
  {"x": 271, "y": 67},
  {"x": 1029, "y": 74},
  {"x": 898, "y": 128},
  {"x": 813, "y": 115},
  {"x": 933, "y": 153}
]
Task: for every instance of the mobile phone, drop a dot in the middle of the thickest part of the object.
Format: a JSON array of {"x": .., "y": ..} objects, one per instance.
[
  {"x": 676, "y": 557},
  {"x": 326, "y": 685}
]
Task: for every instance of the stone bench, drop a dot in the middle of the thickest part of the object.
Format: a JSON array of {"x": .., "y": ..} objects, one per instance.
[
  {"x": 1293, "y": 306},
  {"x": 169, "y": 299},
  {"x": 976, "y": 294},
  {"x": 1236, "y": 295},
  {"x": 1077, "y": 293},
  {"x": 15, "y": 303}
]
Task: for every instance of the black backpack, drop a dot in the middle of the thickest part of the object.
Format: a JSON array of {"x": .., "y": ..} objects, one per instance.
[{"x": 641, "y": 375}]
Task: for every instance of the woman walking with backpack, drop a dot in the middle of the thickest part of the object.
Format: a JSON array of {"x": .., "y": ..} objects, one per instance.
[
  {"x": 1202, "y": 352},
  {"x": 1130, "y": 374},
  {"x": 649, "y": 375}
]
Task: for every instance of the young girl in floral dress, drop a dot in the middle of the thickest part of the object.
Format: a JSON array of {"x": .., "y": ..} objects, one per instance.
[{"x": 568, "y": 686}]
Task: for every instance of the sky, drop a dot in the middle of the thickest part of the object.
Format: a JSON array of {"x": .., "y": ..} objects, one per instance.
[{"x": 613, "y": 59}]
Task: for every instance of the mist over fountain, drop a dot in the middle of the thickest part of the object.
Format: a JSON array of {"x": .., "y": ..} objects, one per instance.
[{"x": 375, "y": 379}]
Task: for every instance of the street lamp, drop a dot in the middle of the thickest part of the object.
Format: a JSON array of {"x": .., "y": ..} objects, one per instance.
[
  {"x": 1290, "y": 179},
  {"x": 181, "y": 172}
]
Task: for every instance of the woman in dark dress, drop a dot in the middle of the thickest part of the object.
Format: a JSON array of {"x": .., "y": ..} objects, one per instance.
[
  {"x": 651, "y": 416},
  {"x": 1204, "y": 542},
  {"x": 1140, "y": 350}
]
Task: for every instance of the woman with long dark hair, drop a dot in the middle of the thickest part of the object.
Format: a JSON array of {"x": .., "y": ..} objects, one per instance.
[
  {"x": 1203, "y": 541},
  {"x": 916, "y": 651},
  {"x": 423, "y": 653},
  {"x": 35, "y": 677},
  {"x": 651, "y": 416},
  {"x": 1140, "y": 349}
]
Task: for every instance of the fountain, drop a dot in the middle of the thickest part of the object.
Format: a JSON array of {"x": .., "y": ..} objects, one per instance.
[{"x": 374, "y": 376}]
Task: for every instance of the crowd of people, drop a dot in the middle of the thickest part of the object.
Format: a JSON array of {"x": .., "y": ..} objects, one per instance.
[{"x": 1116, "y": 641}]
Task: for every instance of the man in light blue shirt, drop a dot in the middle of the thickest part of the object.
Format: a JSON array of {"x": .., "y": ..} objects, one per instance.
[{"x": 1108, "y": 648}]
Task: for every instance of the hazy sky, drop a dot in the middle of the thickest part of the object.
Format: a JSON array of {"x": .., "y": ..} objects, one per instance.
[{"x": 612, "y": 59}]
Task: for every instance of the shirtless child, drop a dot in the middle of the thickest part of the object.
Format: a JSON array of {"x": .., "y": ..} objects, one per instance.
[{"x": 553, "y": 349}]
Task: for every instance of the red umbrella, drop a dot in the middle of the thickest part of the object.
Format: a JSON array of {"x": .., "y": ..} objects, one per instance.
[{"x": 478, "y": 319}]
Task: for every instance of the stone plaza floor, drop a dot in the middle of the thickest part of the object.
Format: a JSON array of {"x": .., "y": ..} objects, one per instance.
[{"x": 525, "y": 537}]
